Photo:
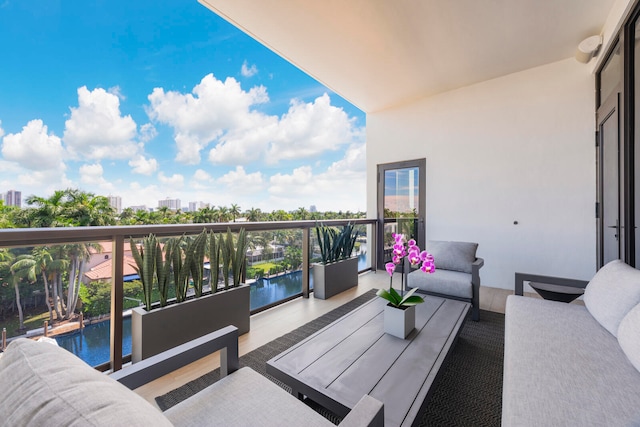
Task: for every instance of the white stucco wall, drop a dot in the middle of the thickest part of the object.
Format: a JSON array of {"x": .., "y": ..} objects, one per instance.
[{"x": 517, "y": 148}]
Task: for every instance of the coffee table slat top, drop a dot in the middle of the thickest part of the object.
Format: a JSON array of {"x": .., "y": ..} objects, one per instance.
[{"x": 351, "y": 357}]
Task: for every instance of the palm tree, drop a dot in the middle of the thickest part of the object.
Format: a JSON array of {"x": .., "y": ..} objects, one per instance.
[
  {"x": 34, "y": 264},
  {"x": 78, "y": 255},
  {"x": 254, "y": 214},
  {"x": 85, "y": 209},
  {"x": 48, "y": 212},
  {"x": 223, "y": 214},
  {"x": 234, "y": 211},
  {"x": 142, "y": 217},
  {"x": 204, "y": 215},
  {"x": 301, "y": 214},
  {"x": 60, "y": 264},
  {"x": 127, "y": 216},
  {"x": 6, "y": 261}
]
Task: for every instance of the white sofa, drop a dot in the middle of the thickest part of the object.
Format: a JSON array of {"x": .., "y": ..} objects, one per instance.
[
  {"x": 44, "y": 385},
  {"x": 574, "y": 365}
]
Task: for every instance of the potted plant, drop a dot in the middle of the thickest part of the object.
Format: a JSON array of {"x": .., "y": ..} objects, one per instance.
[
  {"x": 194, "y": 312},
  {"x": 338, "y": 269},
  {"x": 400, "y": 313}
]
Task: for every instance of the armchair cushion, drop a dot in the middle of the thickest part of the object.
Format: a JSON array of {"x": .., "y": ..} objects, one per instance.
[
  {"x": 445, "y": 282},
  {"x": 241, "y": 396},
  {"x": 456, "y": 256},
  {"x": 612, "y": 293}
]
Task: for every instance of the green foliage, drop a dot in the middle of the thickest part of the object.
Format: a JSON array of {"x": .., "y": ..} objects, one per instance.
[
  {"x": 145, "y": 259},
  {"x": 254, "y": 273},
  {"x": 180, "y": 272},
  {"x": 96, "y": 297},
  {"x": 397, "y": 300},
  {"x": 233, "y": 257},
  {"x": 238, "y": 256},
  {"x": 214, "y": 261},
  {"x": 293, "y": 257},
  {"x": 163, "y": 271},
  {"x": 335, "y": 244},
  {"x": 194, "y": 260}
]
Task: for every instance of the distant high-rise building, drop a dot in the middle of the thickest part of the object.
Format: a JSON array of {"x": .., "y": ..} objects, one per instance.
[
  {"x": 138, "y": 208},
  {"x": 13, "y": 198},
  {"x": 116, "y": 203},
  {"x": 313, "y": 209},
  {"x": 194, "y": 206},
  {"x": 173, "y": 204}
]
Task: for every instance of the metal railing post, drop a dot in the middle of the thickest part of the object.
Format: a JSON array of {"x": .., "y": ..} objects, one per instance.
[
  {"x": 46, "y": 328},
  {"x": 305, "y": 262},
  {"x": 373, "y": 247},
  {"x": 117, "y": 303}
]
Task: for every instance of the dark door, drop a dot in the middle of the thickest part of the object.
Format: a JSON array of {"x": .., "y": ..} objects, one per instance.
[
  {"x": 610, "y": 184},
  {"x": 401, "y": 205}
]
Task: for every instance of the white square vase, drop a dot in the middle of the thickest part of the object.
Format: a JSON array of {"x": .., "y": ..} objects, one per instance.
[{"x": 399, "y": 322}]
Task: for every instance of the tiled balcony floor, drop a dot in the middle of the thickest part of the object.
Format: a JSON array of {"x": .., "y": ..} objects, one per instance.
[{"x": 277, "y": 321}]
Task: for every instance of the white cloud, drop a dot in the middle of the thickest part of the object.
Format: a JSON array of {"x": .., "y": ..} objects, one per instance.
[
  {"x": 305, "y": 131},
  {"x": 117, "y": 92},
  {"x": 34, "y": 148},
  {"x": 248, "y": 71},
  {"x": 342, "y": 186},
  {"x": 309, "y": 129},
  {"x": 224, "y": 114},
  {"x": 147, "y": 132},
  {"x": 92, "y": 176},
  {"x": 238, "y": 181},
  {"x": 43, "y": 182},
  {"x": 200, "y": 117},
  {"x": 298, "y": 182},
  {"x": 143, "y": 166},
  {"x": 97, "y": 130},
  {"x": 201, "y": 175},
  {"x": 201, "y": 180},
  {"x": 1, "y": 130},
  {"x": 354, "y": 161},
  {"x": 174, "y": 181}
]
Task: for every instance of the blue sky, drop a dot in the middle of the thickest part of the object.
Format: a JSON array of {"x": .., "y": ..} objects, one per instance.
[{"x": 163, "y": 99}]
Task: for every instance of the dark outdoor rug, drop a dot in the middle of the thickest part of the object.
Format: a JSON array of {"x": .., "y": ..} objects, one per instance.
[{"x": 468, "y": 392}]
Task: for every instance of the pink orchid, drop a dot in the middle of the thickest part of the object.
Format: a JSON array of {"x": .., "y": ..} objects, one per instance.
[{"x": 390, "y": 267}]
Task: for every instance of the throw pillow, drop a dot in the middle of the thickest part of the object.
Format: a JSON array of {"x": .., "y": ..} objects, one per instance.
[
  {"x": 457, "y": 256},
  {"x": 629, "y": 336},
  {"x": 612, "y": 293},
  {"x": 45, "y": 385}
]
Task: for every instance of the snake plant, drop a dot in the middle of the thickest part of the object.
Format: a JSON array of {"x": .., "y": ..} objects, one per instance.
[
  {"x": 233, "y": 257},
  {"x": 145, "y": 259},
  {"x": 335, "y": 244}
]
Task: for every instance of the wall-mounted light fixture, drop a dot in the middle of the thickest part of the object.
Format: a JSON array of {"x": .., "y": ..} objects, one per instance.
[{"x": 588, "y": 48}]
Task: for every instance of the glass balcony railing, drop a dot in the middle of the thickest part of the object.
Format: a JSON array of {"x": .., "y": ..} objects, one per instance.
[{"x": 83, "y": 278}]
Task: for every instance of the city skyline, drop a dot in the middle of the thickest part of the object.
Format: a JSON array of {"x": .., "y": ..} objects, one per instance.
[{"x": 152, "y": 101}]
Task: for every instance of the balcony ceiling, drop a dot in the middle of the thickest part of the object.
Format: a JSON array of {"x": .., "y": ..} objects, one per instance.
[{"x": 382, "y": 53}]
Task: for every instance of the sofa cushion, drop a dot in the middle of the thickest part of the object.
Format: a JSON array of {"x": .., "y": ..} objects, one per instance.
[
  {"x": 45, "y": 385},
  {"x": 612, "y": 293},
  {"x": 244, "y": 398},
  {"x": 457, "y": 256},
  {"x": 629, "y": 336},
  {"x": 444, "y": 282},
  {"x": 561, "y": 367}
]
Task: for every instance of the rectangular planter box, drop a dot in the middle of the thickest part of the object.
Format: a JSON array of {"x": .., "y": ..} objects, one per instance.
[
  {"x": 331, "y": 279},
  {"x": 160, "y": 329}
]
